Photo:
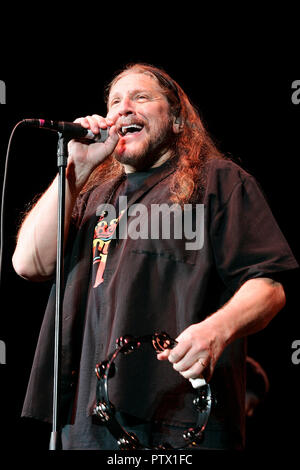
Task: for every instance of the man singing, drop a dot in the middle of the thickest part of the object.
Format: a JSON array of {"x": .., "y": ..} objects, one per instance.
[{"x": 208, "y": 296}]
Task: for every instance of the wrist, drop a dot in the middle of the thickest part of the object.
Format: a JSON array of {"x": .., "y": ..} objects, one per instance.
[
  {"x": 75, "y": 180},
  {"x": 218, "y": 323}
]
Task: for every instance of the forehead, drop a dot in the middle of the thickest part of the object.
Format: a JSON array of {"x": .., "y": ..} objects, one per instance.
[{"x": 132, "y": 81}]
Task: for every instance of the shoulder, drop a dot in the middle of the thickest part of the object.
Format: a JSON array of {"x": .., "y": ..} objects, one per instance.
[
  {"x": 225, "y": 167},
  {"x": 223, "y": 176}
]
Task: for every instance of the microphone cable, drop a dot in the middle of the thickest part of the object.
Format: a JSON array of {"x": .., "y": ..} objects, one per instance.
[{"x": 3, "y": 199}]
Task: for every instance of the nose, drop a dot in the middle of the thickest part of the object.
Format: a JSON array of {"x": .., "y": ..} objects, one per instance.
[{"x": 126, "y": 106}]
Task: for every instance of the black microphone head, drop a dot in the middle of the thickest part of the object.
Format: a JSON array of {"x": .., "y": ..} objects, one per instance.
[{"x": 34, "y": 122}]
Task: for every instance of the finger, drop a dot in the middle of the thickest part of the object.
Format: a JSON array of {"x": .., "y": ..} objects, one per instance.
[
  {"x": 114, "y": 133},
  {"x": 83, "y": 121},
  {"x": 179, "y": 351},
  {"x": 197, "y": 370},
  {"x": 112, "y": 140},
  {"x": 93, "y": 123},
  {"x": 102, "y": 122},
  {"x": 162, "y": 356},
  {"x": 112, "y": 117},
  {"x": 188, "y": 360},
  {"x": 88, "y": 122}
]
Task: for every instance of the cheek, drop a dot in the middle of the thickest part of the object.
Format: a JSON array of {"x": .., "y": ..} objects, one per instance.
[
  {"x": 159, "y": 121},
  {"x": 162, "y": 126}
]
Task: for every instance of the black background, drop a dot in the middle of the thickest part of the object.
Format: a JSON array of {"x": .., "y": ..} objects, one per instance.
[{"x": 245, "y": 101}]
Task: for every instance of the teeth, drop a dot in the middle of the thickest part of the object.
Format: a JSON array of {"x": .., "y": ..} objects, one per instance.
[{"x": 130, "y": 126}]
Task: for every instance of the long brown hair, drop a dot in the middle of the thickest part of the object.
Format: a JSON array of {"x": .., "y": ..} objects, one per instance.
[{"x": 193, "y": 146}]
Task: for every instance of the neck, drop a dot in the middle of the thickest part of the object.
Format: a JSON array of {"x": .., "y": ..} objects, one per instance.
[{"x": 166, "y": 156}]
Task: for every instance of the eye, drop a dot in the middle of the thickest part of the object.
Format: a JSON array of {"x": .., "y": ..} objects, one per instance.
[
  {"x": 114, "y": 101},
  {"x": 142, "y": 97}
]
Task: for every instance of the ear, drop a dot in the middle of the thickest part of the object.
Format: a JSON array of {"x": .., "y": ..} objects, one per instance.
[{"x": 177, "y": 125}]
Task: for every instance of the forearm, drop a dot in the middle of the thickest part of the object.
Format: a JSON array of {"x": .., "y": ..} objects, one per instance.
[
  {"x": 250, "y": 310},
  {"x": 200, "y": 345},
  {"x": 35, "y": 254}
]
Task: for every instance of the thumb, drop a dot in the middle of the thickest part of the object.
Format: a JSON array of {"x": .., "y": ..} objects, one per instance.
[
  {"x": 112, "y": 140},
  {"x": 163, "y": 356}
]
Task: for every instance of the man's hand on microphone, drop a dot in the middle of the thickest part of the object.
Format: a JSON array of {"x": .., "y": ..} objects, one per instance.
[{"x": 84, "y": 157}]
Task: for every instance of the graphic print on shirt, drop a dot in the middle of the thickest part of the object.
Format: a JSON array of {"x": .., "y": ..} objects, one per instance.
[{"x": 103, "y": 235}]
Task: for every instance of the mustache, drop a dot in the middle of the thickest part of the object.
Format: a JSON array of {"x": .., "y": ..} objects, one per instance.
[{"x": 129, "y": 120}]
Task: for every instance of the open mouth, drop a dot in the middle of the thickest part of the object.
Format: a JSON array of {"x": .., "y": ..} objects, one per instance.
[{"x": 130, "y": 129}]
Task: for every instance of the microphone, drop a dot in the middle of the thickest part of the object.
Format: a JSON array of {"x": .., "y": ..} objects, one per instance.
[{"x": 71, "y": 129}]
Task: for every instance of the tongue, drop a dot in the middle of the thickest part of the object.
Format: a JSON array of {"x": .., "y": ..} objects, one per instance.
[{"x": 132, "y": 130}]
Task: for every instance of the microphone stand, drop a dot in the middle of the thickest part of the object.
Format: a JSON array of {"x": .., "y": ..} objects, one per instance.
[{"x": 62, "y": 156}]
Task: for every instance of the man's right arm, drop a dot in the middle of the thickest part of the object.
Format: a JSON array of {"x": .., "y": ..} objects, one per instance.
[{"x": 35, "y": 254}]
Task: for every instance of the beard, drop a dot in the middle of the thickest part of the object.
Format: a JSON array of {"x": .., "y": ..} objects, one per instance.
[{"x": 150, "y": 151}]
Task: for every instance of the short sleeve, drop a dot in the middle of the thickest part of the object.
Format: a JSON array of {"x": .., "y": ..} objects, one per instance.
[
  {"x": 246, "y": 239},
  {"x": 79, "y": 209}
]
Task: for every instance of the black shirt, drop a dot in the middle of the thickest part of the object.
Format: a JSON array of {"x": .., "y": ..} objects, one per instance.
[{"x": 158, "y": 285}]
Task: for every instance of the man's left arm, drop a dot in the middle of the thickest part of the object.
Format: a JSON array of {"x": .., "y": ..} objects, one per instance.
[{"x": 250, "y": 310}]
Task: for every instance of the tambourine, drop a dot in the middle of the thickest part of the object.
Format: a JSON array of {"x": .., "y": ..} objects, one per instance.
[{"x": 104, "y": 410}]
